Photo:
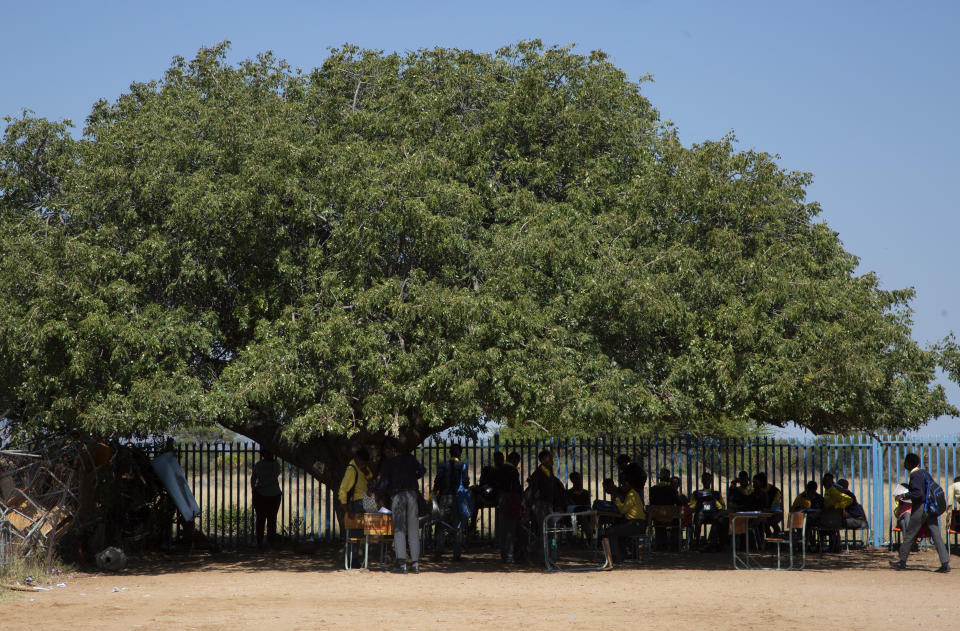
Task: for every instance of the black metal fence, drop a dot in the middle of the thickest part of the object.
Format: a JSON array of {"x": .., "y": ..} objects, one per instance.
[{"x": 219, "y": 473}]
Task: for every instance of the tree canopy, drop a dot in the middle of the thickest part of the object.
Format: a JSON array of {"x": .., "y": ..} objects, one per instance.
[{"x": 398, "y": 244}]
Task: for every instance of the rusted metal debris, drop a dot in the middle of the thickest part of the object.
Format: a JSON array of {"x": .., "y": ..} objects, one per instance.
[{"x": 39, "y": 497}]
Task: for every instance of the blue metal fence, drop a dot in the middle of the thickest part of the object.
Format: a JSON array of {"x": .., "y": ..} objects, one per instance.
[{"x": 219, "y": 473}]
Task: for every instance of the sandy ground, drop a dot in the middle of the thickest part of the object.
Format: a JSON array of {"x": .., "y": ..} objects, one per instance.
[{"x": 295, "y": 590}]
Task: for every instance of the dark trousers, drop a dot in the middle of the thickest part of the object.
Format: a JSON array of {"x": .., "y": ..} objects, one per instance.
[
  {"x": 266, "y": 508},
  {"x": 621, "y": 531},
  {"x": 356, "y": 549},
  {"x": 507, "y": 522},
  {"x": 719, "y": 522},
  {"x": 919, "y": 518},
  {"x": 451, "y": 516}
]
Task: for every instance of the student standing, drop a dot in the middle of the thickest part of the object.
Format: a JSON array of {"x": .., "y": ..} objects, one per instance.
[
  {"x": 267, "y": 495},
  {"x": 354, "y": 486},
  {"x": 451, "y": 477},
  {"x": 919, "y": 517},
  {"x": 398, "y": 479},
  {"x": 509, "y": 491}
]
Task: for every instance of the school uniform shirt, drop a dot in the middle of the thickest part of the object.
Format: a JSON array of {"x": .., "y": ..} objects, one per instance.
[
  {"x": 917, "y": 487},
  {"x": 854, "y": 509},
  {"x": 356, "y": 478},
  {"x": 805, "y": 501},
  {"x": 835, "y": 499},
  {"x": 706, "y": 499},
  {"x": 630, "y": 506}
]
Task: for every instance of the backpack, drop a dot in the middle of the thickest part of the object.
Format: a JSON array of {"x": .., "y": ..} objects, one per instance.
[
  {"x": 934, "y": 500},
  {"x": 465, "y": 502}
]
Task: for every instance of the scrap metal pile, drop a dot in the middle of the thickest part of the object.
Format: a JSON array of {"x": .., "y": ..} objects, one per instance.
[
  {"x": 79, "y": 496},
  {"x": 39, "y": 497}
]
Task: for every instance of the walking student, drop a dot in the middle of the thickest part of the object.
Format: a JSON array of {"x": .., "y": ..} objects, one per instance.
[
  {"x": 919, "y": 517},
  {"x": 398, "y": 479},
  {"x": 267, "y": 495}
]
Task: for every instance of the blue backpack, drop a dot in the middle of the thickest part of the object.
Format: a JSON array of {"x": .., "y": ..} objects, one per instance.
[
  {"x": 934, "y": 500},
  {"x": 465, "y": 503}
]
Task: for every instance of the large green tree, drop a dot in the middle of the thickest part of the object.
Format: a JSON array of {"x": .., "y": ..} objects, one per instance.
[{"x": 401, "y": 244}]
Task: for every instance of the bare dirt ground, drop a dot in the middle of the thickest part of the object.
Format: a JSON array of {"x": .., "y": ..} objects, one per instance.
[{"x": 295, "y": 590}]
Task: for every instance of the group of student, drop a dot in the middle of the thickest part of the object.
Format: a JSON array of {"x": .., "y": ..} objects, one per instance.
[{"x": 520, "y": 509}]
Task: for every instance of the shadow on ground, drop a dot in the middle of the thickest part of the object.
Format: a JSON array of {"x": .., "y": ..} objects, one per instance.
[{"x": 325, "y": 557}]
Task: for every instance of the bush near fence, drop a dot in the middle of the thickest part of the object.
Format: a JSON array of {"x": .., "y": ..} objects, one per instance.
[{"x": 219, "y": 473}]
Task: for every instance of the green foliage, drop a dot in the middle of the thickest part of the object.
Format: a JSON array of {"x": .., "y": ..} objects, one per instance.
[
  {"x": 404, "y": 244},
  {"x": 242, "y": 461},
  {"x": 206, "y": 434},
  {"x": 233, "y": 521}
]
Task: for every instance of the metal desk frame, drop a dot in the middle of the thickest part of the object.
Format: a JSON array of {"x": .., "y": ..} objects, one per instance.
[
  {"x": 552, "y": 528},
  {"x": 738, "y": 562}
]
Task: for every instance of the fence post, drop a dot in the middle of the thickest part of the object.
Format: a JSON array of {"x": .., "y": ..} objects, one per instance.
[{"x": 877, "y": 512}]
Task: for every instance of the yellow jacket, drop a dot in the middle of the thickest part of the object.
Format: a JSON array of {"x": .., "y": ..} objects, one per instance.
[
  {"x": 630, "y": 506},
  {"x": 834, "y": 498},
  {"x": 354, "y": 477},
  {"x": 801, "y": 502}
]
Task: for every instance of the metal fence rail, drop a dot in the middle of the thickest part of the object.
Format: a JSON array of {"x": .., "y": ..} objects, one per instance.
[{"x": 219, "y": 473}]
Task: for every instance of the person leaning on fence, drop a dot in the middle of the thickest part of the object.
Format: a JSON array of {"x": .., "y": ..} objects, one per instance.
[
  {"x": 509, "y": 509},
  {"x": 267, "y": 495},
  {"x": 919, "y": 517},
  {"x": 635, "y": 519},
  {"x": 451, "y": 477},
  {"x": 354, "y": 487},
  {"x": 708, "y": 510},
  {"x": 398, "y": 480}
]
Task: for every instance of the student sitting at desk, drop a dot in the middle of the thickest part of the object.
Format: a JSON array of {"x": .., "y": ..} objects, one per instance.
[
  {"x": 808, "y": 499},
  {"x": 810, "y": 502},
  {"x": 834, "y": 504},
  {"x": 740, "y": 494},
  {"x": 708, "y": 509},
  {"x": 767, "y": 497},
  {"x": 578, "y": 499},
  {"x": 631, "y": 509},
  {"x": 854, "y": 517},
  {"x": 664, "y": 493}
]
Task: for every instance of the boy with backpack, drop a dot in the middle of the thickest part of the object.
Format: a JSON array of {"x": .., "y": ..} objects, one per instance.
[
  {"x": 451, "y": 483},
  {"x": 928, "y": 504}
]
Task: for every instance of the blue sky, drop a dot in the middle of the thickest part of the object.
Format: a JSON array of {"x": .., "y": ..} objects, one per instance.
[{"x": 865, "y": 95}]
